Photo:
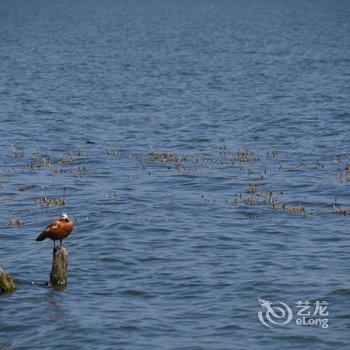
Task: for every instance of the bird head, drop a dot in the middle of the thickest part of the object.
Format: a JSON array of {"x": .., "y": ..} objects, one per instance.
[{"x": 64, "y": 217}]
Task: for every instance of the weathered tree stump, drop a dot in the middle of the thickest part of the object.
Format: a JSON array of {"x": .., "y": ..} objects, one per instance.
[
  {"x": 59, "y": 270},
  {"x": 7, "y": 285}
]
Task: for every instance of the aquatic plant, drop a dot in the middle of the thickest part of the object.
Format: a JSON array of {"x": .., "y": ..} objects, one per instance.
[
  {"x": 51, "y": 202},
  {"x": 115, "y": 152},
  {"x": 338, "y": 211},
  {"x": 166, "y": 157},
  {"x": 14, "y": 223},
  {"x": 252, "y": 188},
  {"x": 344, "y": 175},
  {"x": 112, "y": 194},
  {"x": 17, "y": 152}
]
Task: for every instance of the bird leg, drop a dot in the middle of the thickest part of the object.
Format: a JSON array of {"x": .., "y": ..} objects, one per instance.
[
  {"x": 54, "y": 243},
  {"x": 60, "y": 242}
]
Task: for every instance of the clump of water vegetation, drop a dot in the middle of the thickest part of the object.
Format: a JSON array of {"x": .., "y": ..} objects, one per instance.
[
  {"x": 111, "y": 194},
  {"x": 272, "y": 153},
  {"x": 251, "y": 176},
  {"x": 344, "y": 174},
  {"x": 245, "y": 200},
  {"x": 253, "y": 188},
  {"x": 115, "y": 152},
  {"x": 299, "y": 209},
  {"x": 241, "y": 156},
  {"x": 14, "y": 223},
  {"x": 338, "y": 211},
  {"x": 17, "y": 152},
  {"x": 40, "y": 162},
  {"x": 45, "y": 201},
  {"x": 166, "y": 157},
  {"x": 81, "y": 171}
]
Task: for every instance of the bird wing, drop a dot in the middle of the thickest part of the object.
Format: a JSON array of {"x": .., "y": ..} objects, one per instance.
[{"x": 52, "y": 227}]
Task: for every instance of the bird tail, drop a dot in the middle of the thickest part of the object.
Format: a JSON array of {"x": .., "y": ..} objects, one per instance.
[{"x": 41, "y": 237}]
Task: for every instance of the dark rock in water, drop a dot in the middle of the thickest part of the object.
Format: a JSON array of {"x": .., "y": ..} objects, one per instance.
[{"x": 7, "y": 285}]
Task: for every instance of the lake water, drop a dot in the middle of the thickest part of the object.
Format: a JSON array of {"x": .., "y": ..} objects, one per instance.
[{"x": 199, "y": 146}]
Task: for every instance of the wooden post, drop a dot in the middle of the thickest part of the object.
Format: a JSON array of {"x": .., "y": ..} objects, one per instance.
[
  {"x": 7, "y": 285},
  {"x": 59, "y": 270}
]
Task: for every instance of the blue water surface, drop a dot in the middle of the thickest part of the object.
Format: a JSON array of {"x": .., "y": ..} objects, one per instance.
[{"x": 163, "y": 126}]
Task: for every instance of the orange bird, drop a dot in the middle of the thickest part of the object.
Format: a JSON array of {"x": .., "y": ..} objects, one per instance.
[{"x": 59, "y": 229}]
